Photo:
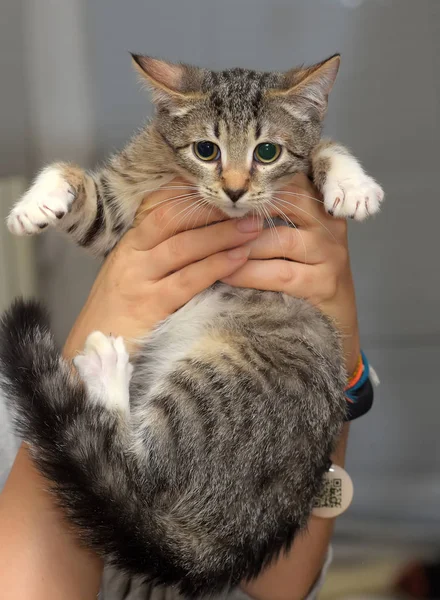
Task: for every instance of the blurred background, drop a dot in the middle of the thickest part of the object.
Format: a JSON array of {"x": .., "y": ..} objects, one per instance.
[{"x": 68, "y": 92}]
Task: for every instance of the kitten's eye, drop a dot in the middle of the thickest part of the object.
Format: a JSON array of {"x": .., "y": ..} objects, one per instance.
[
  {"x": 207, "y": 151},
  {"x": 267, "y": 152}
]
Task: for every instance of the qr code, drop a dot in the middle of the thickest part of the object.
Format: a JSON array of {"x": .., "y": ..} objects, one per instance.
[{"x": 331, "y": 495}]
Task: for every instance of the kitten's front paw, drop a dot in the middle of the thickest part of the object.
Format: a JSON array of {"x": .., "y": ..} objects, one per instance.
[
  {"x": 45, "y": 203},
  {"x": 106, "y": 371},
  {"x": 356, "y": 197}
]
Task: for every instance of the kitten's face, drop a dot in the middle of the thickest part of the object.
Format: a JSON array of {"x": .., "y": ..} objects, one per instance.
[{"x": 239, "y": 135}]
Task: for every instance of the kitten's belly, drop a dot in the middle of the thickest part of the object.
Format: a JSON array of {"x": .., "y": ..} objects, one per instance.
[
  {"x": 207, "y": 326},
  {"x": 172, "y": 340}
]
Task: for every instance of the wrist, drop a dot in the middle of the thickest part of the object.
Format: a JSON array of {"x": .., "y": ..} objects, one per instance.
[{"x": 352, "y": 351}]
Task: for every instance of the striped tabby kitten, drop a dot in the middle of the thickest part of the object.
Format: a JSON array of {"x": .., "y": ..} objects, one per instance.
[{"x": 199, "y": 465}]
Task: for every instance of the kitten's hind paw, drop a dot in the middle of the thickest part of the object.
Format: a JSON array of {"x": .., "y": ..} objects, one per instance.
[
  {"x": 106, "y": 371},
  {"x": 46, "y": 202},
  {"x": 356, "y": 197}
]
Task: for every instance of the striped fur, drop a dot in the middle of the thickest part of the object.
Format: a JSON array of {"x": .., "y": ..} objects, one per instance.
[{"x": 237, "y": 399}]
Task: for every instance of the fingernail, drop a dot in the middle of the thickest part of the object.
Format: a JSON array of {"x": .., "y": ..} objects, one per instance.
[
  {"x": 239, "y": 253},
  {"x": 249, "y": 224}
]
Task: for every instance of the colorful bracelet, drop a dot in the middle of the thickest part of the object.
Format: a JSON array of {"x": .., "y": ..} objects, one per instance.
[{"x": 359, "y": 391}]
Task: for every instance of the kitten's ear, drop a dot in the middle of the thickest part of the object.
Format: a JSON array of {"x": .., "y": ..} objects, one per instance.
[
  {"x": 313, "y": 84},
  {"x": 172, "y": 84}
]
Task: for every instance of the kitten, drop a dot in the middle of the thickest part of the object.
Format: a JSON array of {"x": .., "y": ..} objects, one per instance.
[{"x": 197, "y": 465}]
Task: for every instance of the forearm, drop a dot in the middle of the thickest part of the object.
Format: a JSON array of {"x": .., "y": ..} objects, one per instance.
[
  {"x": 40, "y": 557},
  {"x": 294, "y": 574},
  {"x": 347, "y": 323}
]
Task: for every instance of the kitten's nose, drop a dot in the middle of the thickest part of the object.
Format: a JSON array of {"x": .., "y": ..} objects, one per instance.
[{"x": 234, "y": 195}]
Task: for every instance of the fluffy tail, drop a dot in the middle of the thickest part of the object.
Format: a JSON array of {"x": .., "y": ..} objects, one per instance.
[{"x": 79, "y": 446}]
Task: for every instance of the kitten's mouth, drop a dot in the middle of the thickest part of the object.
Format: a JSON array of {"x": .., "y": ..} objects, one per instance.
[{"x": 231, "y": 209}]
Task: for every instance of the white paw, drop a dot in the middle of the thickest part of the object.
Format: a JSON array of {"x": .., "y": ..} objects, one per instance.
[
  {"x": 356, "y": 196},
  {"x": 45, "y": 203},
  {"x": 106, "y": 371}
]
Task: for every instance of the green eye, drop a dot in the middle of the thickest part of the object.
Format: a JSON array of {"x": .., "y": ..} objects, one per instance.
[
  {"x": 207, "y": 151},
  {"x": 267, "y": 152}
]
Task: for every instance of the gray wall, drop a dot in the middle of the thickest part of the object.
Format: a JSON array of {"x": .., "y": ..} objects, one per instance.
[
  {"x": 13, "y": 95},
  {"x": 386, "y": 107}
]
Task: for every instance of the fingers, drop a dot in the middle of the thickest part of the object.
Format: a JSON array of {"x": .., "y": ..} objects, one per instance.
[
  {"x": 303, "y": 246},
  {"x": 170, "y": 211},
  {"x": 190, "y": 246},
  {"x": 178, "y": 207},
  {"x": 314, "y": 282},
  {"x": 182, "y": 286}
]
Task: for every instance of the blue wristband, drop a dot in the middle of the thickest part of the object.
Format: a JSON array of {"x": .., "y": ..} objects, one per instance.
[{"x": 360, "y": 395}]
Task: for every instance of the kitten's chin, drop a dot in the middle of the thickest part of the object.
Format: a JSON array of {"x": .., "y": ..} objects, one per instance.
[{"x": 235, "y": 212}]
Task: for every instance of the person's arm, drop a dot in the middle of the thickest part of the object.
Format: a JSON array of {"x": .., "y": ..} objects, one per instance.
[{"x": 40, "y": 556}]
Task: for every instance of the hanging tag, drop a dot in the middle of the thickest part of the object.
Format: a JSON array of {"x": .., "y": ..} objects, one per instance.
[{"x": 336, "y": 495}]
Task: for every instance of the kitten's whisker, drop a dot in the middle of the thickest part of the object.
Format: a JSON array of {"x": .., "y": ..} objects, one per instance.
[
  {"x": 273, "y": 229},
  {"x": 284, "y": 216},
  {"x": 187, "y": 195},
  {"x": 165, "y": 214},
  {"x": 209, "y": 215},
  {"x": 179, "y": 198},
  {"x": 182, "y": 196},
  {"x": 294, "y": 207},
  {"x": 299, "y": 195},
  {"x": 289, "y": 204},
  {"x": 195, "y": 209},
  {"x": 183, "y": 212},
  {"x": 186, "y": 212},
  {"x": 178, "y": 187},
  {"x": 179, "y": 201},
  {"x": 259, "y": 211},
  {"x": 173, "y": 204},
  {"x": 151, "y": 191},
  {"x": 282, "y": 213}
]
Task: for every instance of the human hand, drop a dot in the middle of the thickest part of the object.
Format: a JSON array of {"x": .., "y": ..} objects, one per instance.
[
  {"x": 161, "y": 264},
  {"x": 129, "y": 299}
]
